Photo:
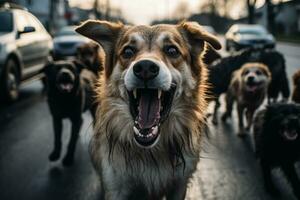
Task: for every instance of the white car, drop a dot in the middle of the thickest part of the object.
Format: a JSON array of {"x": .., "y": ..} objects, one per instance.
[{"x": 25, "y": 47}]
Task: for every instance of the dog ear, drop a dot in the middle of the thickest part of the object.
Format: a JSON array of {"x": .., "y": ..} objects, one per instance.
[
  {"x": 266, "y": 70},
  {"x": 106, "y": 34},
  {"x": 79, "y": 65},
  {"x": 95, "y": 47},
  {"x": 197, "y": 35}
]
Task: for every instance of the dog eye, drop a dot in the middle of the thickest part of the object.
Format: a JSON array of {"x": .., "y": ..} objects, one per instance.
[
  {"x": 128, "y": 52},
  {"x": 171, "y": 51},
  {"x": 246, "y": 72},
  {"x": 258, "y": 72}
]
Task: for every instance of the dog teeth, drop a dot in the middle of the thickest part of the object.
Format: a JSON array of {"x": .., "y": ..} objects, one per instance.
[
  {"x": 159, "y": 94},
  {"x": 134, "y": 93},
  {"x": 136, "y": 130}
]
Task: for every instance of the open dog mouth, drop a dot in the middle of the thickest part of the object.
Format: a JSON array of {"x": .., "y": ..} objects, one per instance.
[
  {"x": 149, "y": 108},
  {"x": 290, "y": 135},
  {"x": 65, "y": 87},
  {"x": 253, "y": 86}
]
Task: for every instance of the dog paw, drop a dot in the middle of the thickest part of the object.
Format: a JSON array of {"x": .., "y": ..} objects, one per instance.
[
  {"x": 54, "y": 156},
  {"x": 68, "y": 161}
]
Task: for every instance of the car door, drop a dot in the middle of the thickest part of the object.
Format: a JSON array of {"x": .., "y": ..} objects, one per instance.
[
  {"x": 24, "y": 40},
  {"x": 41, "y": 41}
]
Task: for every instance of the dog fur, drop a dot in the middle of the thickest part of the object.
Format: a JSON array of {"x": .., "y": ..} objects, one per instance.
[
  {"x": 221, "y": 70},
  {"x": 127, "y": 170},
  {"x": 296, "y": 87},
  {"x": 68, "y": 102},
  {"x": 91, "y": 55},
  {"x": 248, "y": 88},
  {"x": 210, "y": 55},
  {"x": 277, "y": 143}
]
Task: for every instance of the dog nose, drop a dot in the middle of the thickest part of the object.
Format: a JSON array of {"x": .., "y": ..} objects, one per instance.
[
  {"x": 251, "y": 78},
  {"x": 145, "y": 70}
]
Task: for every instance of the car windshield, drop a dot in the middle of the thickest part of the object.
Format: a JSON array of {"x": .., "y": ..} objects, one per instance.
[
  {"x": 6, "y": 21},
  {"x": 252, "y": 31},
  {"x": 66, "y": 31}
]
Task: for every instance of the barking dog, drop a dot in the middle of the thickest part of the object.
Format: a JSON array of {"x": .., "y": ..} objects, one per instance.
[
  {"x": 277, "y": 142},
  {"x": 152, "y": 107},
  {"x": 248, "y": 88},
  {"x": 220, "y": 73},
  {"x": 296, "y": 89},
  {"x": 70, "y": 93},
  {"x": 91, "y": 55}
]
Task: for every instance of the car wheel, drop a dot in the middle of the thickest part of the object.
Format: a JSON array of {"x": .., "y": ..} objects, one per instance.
[{"x": 10, "y": 81}]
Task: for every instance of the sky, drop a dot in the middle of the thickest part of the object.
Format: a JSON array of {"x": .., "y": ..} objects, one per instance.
[{"x": 144, "y": 11}]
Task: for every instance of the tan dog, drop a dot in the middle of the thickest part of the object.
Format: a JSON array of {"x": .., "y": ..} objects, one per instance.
[
  {"x": 248, "y": 87},
  {"x": 91, "y": 55},
  {"x": 152, "y": 107},
  {"x": 296, "y": 87}
]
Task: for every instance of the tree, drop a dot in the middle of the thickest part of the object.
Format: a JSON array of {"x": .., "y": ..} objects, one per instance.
[
  {"x": 270, "y": 15},
  {"x": 251, "y": 11},
  {"x": 217, "y": 7},
  {"x": 181, "y": 11}
]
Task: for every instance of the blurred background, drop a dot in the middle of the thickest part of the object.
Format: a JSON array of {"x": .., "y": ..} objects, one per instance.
[
  {"x": 281, "y": 17},
  {"x": 34, "y": 32}
]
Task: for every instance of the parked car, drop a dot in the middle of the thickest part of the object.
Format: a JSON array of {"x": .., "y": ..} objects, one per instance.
[
  {"x": 241, "y": 36},
  {"x": 25, "y": 47},
  {"x": 66, "y": 42}
]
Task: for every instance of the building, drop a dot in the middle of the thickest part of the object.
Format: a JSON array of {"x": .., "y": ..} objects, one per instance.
[{"x": 286, "y": 17}]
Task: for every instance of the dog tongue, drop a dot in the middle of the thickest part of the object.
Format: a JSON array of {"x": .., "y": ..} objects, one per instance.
[{"x": 149, "y": 108}]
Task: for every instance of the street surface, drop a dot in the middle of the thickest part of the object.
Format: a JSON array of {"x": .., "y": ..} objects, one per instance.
[{"x": 228, "y": 169}]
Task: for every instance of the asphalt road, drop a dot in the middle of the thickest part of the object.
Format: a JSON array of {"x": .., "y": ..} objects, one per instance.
[{"x": 227, "y": 171}]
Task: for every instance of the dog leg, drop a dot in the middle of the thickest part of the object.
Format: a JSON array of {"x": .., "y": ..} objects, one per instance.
[
  {"x": 55, "y": 154},
  {"x": 249, "y": 116},
  {"x": 69, "y": 158},
  {"x": 289, "y": 170},
  {"x": 177, "y": 191},
  {"x": 269, "y": 185},
  {"x": 229, "y": 104},
  {"x": 240, "y": 110},
  {"x": 215, "y": 114}
]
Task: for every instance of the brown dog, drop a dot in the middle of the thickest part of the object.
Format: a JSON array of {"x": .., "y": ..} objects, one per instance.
[
  {"x": 91, "y": 55},
  {"x": 296, "y": 84},
  {"x": 152, "y": 107},
  {"x": 248, "y": 88}
]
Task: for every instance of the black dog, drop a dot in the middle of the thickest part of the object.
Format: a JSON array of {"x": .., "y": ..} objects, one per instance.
[
  {"x": 210, "y": 55},
  {"x": 277, "y": 141},
  {"x": 220, "y": 73},
  {"x": 276, "y": 64},
  {"x": 70, "y": 92}
]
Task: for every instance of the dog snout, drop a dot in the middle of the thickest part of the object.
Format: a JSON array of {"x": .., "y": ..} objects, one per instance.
[
  {"x": 146, "y": 70},
  {"x": 65, "y": 75},
  {"x": 250, "y": 79}
]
